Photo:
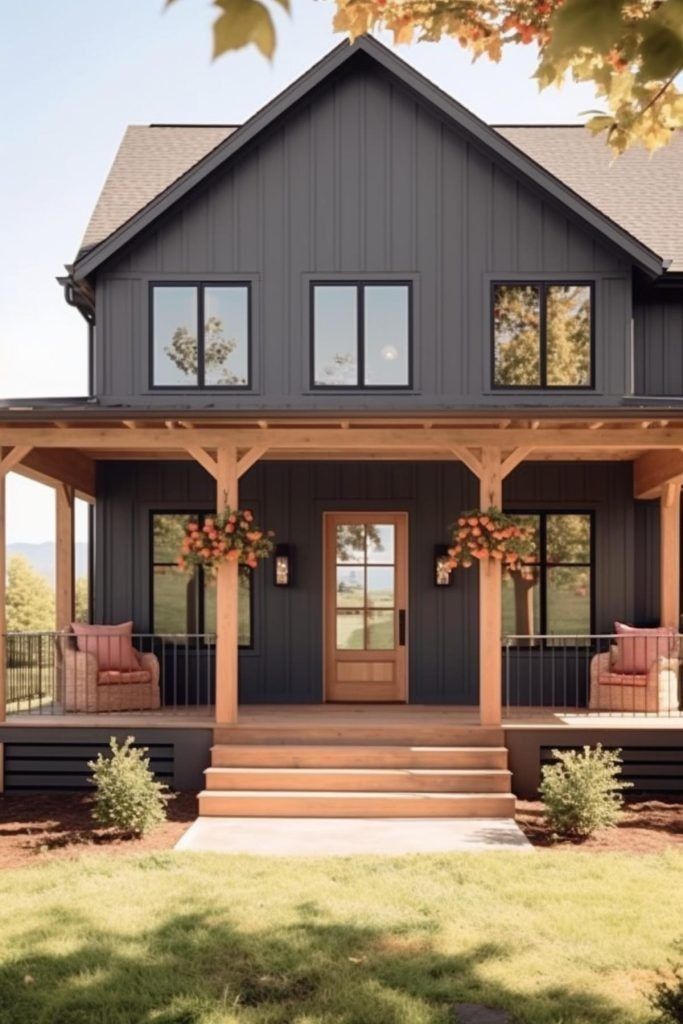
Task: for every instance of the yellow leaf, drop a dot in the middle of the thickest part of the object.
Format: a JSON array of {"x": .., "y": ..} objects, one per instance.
[{"x": 243, "y": 22}]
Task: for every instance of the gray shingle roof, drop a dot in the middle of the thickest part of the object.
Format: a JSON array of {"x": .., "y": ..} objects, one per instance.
[{"x": 642, "y": 194}]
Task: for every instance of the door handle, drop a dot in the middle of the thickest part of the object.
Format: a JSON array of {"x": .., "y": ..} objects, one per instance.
[{"x": 402, "y": 627}]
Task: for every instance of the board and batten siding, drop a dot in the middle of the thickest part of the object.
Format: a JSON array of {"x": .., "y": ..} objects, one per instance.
[
  {"x": 362, "y": 180},
  {"x": 286, "y": 662},
  {"x": 658, "y": 343}
]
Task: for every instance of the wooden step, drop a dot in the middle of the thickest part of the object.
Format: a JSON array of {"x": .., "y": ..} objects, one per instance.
[
  {"x": 307, "y": 804},
  {"x": 389, "y": 733},
  {"x": 236, "y": 755},
  {"x": 360, "y": 780}
]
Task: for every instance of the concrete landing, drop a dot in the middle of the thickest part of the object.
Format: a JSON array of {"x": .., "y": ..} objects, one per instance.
[{"x": 325, "y": 837}]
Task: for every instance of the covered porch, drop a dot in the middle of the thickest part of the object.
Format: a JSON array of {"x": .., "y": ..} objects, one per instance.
[{"x": 514, "y": 676}]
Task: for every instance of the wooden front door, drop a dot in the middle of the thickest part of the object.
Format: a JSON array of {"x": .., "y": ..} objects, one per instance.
[{"x": 366, "y": 569}]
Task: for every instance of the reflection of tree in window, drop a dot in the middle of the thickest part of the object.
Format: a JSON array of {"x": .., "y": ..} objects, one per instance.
[
  {"x": 341, "y": 371},
  {"x": 351, "y": 540},
  {"x": 217, "y": 349},
  {"x": 568, "y": 335},
  {"x": 516, "y": 317}
]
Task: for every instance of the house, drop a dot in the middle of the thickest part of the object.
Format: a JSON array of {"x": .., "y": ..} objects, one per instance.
[{"x": 359, "y": 314}]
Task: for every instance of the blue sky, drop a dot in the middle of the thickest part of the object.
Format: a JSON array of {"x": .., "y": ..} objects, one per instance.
[{"x": 73, "y": 74}]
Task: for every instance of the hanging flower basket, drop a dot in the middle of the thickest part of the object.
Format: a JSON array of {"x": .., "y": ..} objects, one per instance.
[
  {"x": 228, "y": 536},
  {"x": 482, "y": 535}
]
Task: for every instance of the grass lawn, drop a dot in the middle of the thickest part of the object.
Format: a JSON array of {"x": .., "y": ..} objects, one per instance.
[{"x": 562, "y": 938}]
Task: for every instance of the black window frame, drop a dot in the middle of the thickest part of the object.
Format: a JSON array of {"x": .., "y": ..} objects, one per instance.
[
  {"x": 542, "y": 284},
  {"x": 543, "y": 565},
  {"x": 200, "y": 287},
  {"x": 201, "y": 603},
  {"x": 360, "y": 284}
]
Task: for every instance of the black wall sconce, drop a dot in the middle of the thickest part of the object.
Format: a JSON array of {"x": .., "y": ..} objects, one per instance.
[
  {"x": 443, "y": 576},
  {"x": 282, "y": 565}
]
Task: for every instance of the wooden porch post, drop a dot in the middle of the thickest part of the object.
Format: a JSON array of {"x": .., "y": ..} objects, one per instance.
[
  {"x": 490, "y": 599},
  {"x": 670, "y": 554},
  {"x": 227, "y": 597},
  {"x": 64, "y": 561},
  {"x": 3, "y": 589}
]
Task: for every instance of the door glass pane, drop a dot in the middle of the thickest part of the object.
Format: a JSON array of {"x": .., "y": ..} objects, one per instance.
[
  {"x": 226, "y": 335},
  {"x": 517, "y": 335},
  {"x": 335, "y": 335},
  {"x": 568, "y": 538},
  {"x": 350, "y": 587},
  {"x": 569, "y": 604},
  {"x": 380, "y": 583},
  {"x": 351, "y": 542},
  {"x": 380, "y": 544},
  {"x": 568, "y": 346},
  {"x": 386, "y": 335},
  {"x": 350, "y": 630},
  {"x": 175, "y": 336},
  {"x": 380, "y": 630}
]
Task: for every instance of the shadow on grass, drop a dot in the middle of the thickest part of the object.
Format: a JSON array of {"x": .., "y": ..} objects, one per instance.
[{"x": 198, "y": 967}]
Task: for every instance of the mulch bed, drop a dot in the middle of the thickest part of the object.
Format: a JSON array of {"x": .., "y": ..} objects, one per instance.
[
  {"x": 37, "y": 827},
  {"x": 648, "y": 825}
]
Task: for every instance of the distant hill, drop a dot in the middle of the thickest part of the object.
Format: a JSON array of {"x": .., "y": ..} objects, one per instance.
[{"x": 42, "y": 557}]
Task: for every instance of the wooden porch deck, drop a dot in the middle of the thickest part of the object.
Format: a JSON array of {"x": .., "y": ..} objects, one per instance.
[{"x": 370, "y": 715}]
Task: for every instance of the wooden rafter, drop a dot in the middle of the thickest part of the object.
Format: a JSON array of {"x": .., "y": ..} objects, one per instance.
[
  {"x": 469, "y": 458},
  {"x": 513, "y": 459},
  {"x": 249, "y": 458},
  {"x": 204, "y": 459},
  {"x": 654, "y": 470}
]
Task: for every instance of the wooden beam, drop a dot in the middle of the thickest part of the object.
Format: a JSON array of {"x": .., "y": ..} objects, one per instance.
[
  {"x": 469, "y": 458},
  {"x": 490, "y": 600},
  {"x": 93, "y": 438},
  {"x": 227, "y": 597},
  {"x": 670, "y": 555},
  {"x": 516, "y": 456},
  {"x": 64, "y": 557},
  {"x": 13, "y": 457},
  {"x": 653, "y": 470},
  {"x": 204, "y": 459},
  {"x": 249, "y": 459},
  {"x": 53, "y": 466}
]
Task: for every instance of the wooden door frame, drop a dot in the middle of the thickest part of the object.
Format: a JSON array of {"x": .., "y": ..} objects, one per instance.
[{"x": 398, "y": 516}]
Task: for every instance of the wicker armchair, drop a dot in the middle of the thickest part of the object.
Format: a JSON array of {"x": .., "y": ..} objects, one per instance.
[
  {"x": 87, "y": 689},
  {"x": 655, "y": 692}
]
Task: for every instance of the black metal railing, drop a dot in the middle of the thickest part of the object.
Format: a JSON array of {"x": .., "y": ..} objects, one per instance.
[
  {"x": 53, "y": 673},
  {"x": 634, "y": 673}
]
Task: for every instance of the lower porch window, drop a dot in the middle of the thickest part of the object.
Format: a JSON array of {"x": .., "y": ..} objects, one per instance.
[
  {"x": 185, "y": 603},
  {"x": 552, "y": 597}
]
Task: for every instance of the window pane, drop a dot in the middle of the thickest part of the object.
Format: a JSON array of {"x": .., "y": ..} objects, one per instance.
[
  {"x": 350, "y": 630},
  {"x": 175, "y": 335},
  {"x": 168, "y": 533},
  {"x": 350, "y": 587},
  {"x": 568, "y": 343},
  {"x": 335, "y": 331},
  {"x": 380, "y": 582},
  {"x": 244, "y": 637},
  {"x": 173, "y": 600},
  {"x": 380, "y": 543},
  {"x": 226, "y": 336},
  {"x": 380, "y": 631},
  {"x": 386, "y": 335},
  {"x": 522, "y": 602},
  {"x": 568, "y": 538},
  {"x": 351, "y": 542},
  {"x": 517, "y": 333},
  {"x": 568, "y": 598}
]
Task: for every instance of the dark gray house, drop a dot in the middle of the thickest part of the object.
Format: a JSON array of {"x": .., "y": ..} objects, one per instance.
[{"x": 358, "y": 315}]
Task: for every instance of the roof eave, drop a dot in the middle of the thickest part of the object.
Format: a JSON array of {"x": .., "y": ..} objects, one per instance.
[{"x": 648, "y": 261}]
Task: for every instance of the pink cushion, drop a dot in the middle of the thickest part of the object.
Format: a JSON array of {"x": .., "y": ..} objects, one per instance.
[
  {"x": 638, "y": 649},
  {"x": 111, "y": 645},
  {"x": 111, "y": 677},
  {"x": 621, "y": 679}
]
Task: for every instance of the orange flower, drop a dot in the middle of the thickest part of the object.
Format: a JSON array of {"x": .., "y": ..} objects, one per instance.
[
  {"x": 233, "y": 554},
  {"x": 208, "y": 524},
  {"x": 254, "y": 535},
  {"x": 229, "y": 528},
  {"x": 462, "y": 521},
  {"x": 473, "y": 520},
  {"x": 248, "y": 515},
  {"x": 476, "y": 532}
]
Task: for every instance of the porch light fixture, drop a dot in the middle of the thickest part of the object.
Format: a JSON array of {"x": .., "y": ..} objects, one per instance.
[
  {"x": 282, "y": 562},
  {"x": 443, "y": 576}
]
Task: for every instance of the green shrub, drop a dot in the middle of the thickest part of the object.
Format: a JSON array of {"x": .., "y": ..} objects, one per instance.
[
  {"x": 582, "y": 791},
  {"x": 667, "y": 999},
  {"x": 128, "y": 796}
]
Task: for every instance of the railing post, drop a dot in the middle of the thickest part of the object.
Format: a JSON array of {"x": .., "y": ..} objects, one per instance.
[
  {"x": 490, "y": 600},
  {"x": 670, "y": 555},
  {"x": 227, "y": 597}
]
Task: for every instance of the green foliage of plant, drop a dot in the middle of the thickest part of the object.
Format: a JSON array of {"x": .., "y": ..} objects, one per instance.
[
  {"x": 667, "y": 999},
  {"x": 582, "y": 790},
  {"x": 128, "y": 796}
]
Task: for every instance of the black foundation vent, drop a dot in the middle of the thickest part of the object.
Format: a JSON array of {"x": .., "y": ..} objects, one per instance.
[
  {"x": 649, "y": 769},
  {"x": 45, "y": 767}
]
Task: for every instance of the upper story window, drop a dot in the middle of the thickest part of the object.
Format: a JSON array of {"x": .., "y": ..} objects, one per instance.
[
  {"x": 361, "y": 335},
  {"x": 200, "y": 335},
  {"x": 542, "y": 335}
]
